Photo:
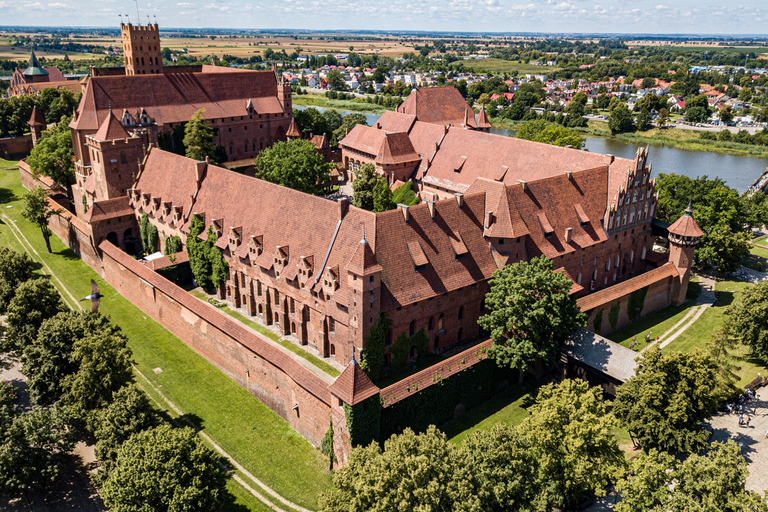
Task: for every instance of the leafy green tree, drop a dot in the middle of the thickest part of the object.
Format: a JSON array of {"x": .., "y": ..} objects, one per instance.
[
  {"x": 725, "y": 114},
  {"x": 620, "y": 119},
  {"x": 103, "y": 366},
  {"x": 669, "y": 395},
  {"x": 504, "y": 468},
  {"x": 697, "y": 109},
  {"x": 129, "y": 413},
  {"x": 172, "y": 245},
  {"x": 662, "y": 118},
  {"x": 575, "y": 110},
  {"x": 15, "y": 268},
  {"x": 198, "y": 252},
  {"x": 295, "y": 164},
  {"x": 571, "y": 436},
  {"x": 311, "y": 121},
  {"x": 372, "y": 355},
  {"x": 198, "y": 138},
  {"x": 539, "y": 130},
  {"x": 38, "y": 212},
  {"x": 34, "y": 449},
  {"x": 348, "y": 122},
  {"x": 404, "y": 194},
  {"x": 746, "y": 320},
  {"x": 35, "y": 301},
  {"x": 336, "y": 81},
  {"x": 165, "y": 469},
  {"x": 363, "y": 185},
  {"x": 383, "y": 199},
  {"x": 724, "y": 249},
  {"x": 149, "y": 236},
  {"x": 413, "y": 472},
  {"x": 219, "y": 266},
  {"x": 716, "y": 480},
  {"x": 644, "y": 120},
  {"x": 53, "y": 156},
  {"x": 530, "y": 313},
  {"x": 49, "y": 358}
]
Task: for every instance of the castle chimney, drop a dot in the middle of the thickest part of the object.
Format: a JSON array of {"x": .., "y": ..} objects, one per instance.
[
  {"x": 200, "y": 169},
  {"x": 431, "y": 205},
  {"x": 608, "y": 159},
  {"x": 343, "y": 207},
  {"x": 568, "y": 235},
  {"x": 459, "y": 199},
  {"x": 524, "y": 184},
  {"x": 569, "y": 174},
  {"x": 406, "y": 212}
]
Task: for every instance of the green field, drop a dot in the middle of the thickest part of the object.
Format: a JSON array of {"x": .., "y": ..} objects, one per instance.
[
  {"x": 496, "y": 66},
  {"x": 262, "y": 442}
]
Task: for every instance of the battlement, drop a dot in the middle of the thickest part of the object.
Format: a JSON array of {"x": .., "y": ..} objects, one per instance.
[{"x": 152, "y": 27}]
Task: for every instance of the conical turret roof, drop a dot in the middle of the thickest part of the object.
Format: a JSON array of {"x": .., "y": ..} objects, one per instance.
[
  {"x": 293, "y": 130},
  {"x": 353, "y": 385},
  {"x": 686, "y": 226},
  {"x": 37, "y": 118},
  {"x": 111, "y": 129},
  {"x": 34, "y": 69}
]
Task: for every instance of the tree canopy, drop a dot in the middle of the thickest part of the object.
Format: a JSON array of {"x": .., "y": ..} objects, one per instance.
[
  {"x": 620, "y": 120},
  {"x": 539, "y": 130},
  {"x": 165, "y": 469},
  {"x": 746, "y": 320},
  {"x": 295, "y": 164},
  {"x": 363, "y": 185},
  {"x": 530, "y": 313},
  {"x": 669, "y": 395},
  {"x": 35, "y": 301},
  {"x": 38, "y": 212},
  {"x": 198, "y": 138},
  {"x": 15, "y": 268},
  {"x": 53, "y": 155}
]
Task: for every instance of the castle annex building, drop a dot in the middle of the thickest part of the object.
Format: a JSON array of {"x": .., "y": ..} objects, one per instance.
[{"x": 35, "y": 78}]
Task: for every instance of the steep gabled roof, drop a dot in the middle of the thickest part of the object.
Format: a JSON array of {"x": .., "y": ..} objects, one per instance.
[
  {"x": 34, "y": 69},
  {"x": 111, "y": 129},
  {"x": 482, "y": 119},
  {"x": 293, "y": 129},
  {"x": 37, "y": 118},
  {"x": 686, "y": 226},
  {"x": 353, "y": 385},
  {"x": 438, "y": 105}
]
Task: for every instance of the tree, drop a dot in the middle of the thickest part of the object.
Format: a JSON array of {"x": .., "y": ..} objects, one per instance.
[
  {"x": 53, "y": 156},
  {"x": 363, "y": 185},
  {"x": 149, "y": 236},
  {"x": 103, "y": 366},
  {"x": 172, "y": 245},
  {"x": 219, "y": 266},
  {"x": 198, "y": 138},
  {"x": 34, "y": 449},
  {"x": 697, "y": 109},
  {"x": 644, "y": 121},
  {"x": 336, "y": 81},
  {"x": 539, "y": 130},
  {"x": 413, "y": 472},
  {"x": 725, "y": 114},
  {"x": 372, "y": 355},
  {"x": 504, "y": 468},
  {"x": 49, "y": 358},
  {"x": 712, "y": 481},
  {"x": 404, "y": 194},
  {"x": 662, "y": 118},
  {"x": 35, "y": 301},
  {"x": 746, "y": 319},
  {"x": 576, "y": 109},
  {"x": 669, "y": 395},
  {"x": 382, "y": 196},
  {"x": 38, "y": 212},
  {"x": 620, "y": 119},
  {"x": 571, "y": 436},
  {"x": 724, "y": 249},
  {"x": 165, "y": 469},
  {"x": 310, "y": 120},
  {"x": 15, "y": 268},
  {"x": 129, "y": 413},
  {"x": 295, "y": 164},
  {"x": 198, "y": 252},
  {"x": 530, "y": 313}
]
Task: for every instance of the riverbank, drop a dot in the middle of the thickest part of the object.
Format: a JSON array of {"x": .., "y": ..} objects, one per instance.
[
  {"x": 686, "y": 140},
  {"x": 317, "y": 100}
]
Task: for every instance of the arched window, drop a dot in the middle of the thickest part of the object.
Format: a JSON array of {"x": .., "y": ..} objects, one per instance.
[
  {"x": 246, "y": 146},
  {"x": 440, "y": 322},
  {"x": 461, "y": 313},
  {"x": 412, "y": 328},
  {"x": 112, "y": 237},
  {"x": 231, "y": 148},
  {"x": 123, "y": 158},
  {"x": 431, "y": 323},
  {"x": 461, "y": 334},
  {"x": 332, "y": 349}
]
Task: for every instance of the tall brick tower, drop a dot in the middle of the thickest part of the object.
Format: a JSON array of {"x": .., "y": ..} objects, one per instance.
[
  {"x": 684, "y": 236},
  {"x": 141, "y": 48},
  {"x": 364, "y": 280},
  {"x": 36, "y": 125}
]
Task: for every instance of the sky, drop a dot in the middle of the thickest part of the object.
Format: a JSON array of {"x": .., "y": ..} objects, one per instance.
[{"x": 569, "y": 16}]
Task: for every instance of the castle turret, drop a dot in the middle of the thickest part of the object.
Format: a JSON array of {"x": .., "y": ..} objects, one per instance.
[
  {"x": 284, "y": 95},
  {"x": 684, "y": 236},
  {"x": 141, "y": 47},
  {"x": 293, "y": 132},
  {"x": 35, "y": 73},
  {"x": 36, "y": 124},
  {"x": 364, "y": 280}
]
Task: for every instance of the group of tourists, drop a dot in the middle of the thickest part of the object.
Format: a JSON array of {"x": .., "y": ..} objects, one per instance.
[{"x": 738, "y": 407}]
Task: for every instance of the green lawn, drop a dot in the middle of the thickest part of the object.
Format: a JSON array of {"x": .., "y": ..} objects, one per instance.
[
  {"x": 255, "y": 436},
  {"x": 319, "y": 100},
  {"x": 657, "y": 323},
  {"x": 327, "y": 368}
]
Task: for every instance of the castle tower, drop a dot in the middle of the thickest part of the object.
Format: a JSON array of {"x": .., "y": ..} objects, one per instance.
[
  {"x": 141, "y": 48},
  {"x": 293, "y": 132},
  {"x": 364, "y": 280},
  {"x": 684, "y": 236},
  {"x": 36, "y": 124},
  {"x": 284, "y": 95},
  {"x": 35, "y": 73}
]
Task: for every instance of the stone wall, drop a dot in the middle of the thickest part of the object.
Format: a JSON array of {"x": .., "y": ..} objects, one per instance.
[
  {"x": 294, "y": 392},
  {"x": 15, "y": 148}
]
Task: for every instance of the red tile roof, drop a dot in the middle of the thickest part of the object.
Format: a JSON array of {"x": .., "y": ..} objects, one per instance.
[
  {"x": 438, "y": 105},
  {"x": 293, "y": 130},
  {"x": 37, "y": 118},
  {"x": 174, "y": 97},
  {"x": 108, "y": 209},
  {"x": 482, "y": 119},
  {"x": 605, "y": 296},
  {"x": 353, "y": 385},
  {"x": 686, "y": 226},
  {"x": 110, "y": 129}
]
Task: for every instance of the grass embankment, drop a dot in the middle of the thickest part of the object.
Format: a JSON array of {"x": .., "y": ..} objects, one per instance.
[
  {"x": 327, "y": 368},
  {"x": 687, "y": 140},
  {"x": 250, "y": 432},
  {"x": 319, "y": 100}
]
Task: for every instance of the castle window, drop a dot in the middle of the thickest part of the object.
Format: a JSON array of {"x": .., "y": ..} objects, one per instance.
[
  {"x": 440, "y": 322},
  {"x": 431, "y": 324},
  {"x": 246, "y": 146},
  {"x": 461, "y": 313},
  {"x": 231, "y": 149},
  {"x": 412, "y": 328},
  {"x": 123, "y": 158},
  {"x": 331, "y": 324}
]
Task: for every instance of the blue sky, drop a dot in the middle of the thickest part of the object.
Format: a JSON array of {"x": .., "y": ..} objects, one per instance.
[{"x": 604, "y": 16}]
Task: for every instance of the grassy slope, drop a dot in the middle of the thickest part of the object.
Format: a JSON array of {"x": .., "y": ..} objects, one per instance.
[
  {"x": 254, "y": 435},
  {"x": 318, "y": 100}
]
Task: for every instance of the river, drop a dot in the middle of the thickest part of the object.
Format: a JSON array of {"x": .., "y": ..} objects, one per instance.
[{"x": 738, "y": 172}]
